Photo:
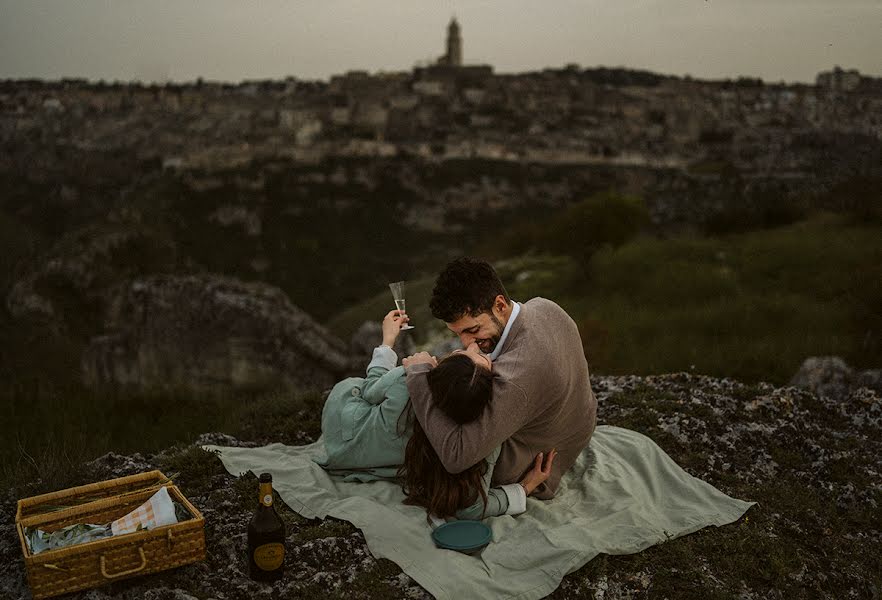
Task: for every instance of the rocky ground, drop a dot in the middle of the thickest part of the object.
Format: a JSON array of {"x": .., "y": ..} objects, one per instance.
[{"x": 813, "y": 462}]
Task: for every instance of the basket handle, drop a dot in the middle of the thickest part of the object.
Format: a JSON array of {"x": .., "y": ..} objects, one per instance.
[{"x": 137, "y": 569}]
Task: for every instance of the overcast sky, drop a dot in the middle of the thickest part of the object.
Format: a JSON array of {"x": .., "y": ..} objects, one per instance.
[{"x": 232, "y": 40}]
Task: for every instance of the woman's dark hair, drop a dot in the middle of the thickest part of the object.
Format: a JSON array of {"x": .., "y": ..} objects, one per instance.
[
  {"x": 466, "y": 286},
  {"x": 461, "y": 390}
]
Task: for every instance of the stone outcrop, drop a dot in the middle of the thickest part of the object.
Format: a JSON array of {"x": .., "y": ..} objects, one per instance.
[
  {"x": 69, "y": 286},
  {"x": 811, "y": 463},
  {"x": 831, "y": 377},
  {"x": 208, "y": 331}
]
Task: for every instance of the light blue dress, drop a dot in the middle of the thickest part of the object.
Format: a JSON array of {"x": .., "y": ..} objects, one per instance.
[{"x": 364, "y": 441}]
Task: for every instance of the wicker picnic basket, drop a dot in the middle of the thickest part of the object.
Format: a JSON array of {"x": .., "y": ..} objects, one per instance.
[{"x": 92, "y": 564}]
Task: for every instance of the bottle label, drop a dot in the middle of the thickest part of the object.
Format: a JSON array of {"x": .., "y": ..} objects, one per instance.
[
  {"x": 266, "y": 494},
  {"x": 269, "y": 557}
]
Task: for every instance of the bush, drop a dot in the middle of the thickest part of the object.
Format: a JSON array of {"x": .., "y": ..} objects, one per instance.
[
  {"x": 751, "y": 305},
  {"x": 18, "y": 244},
  {"x": 764, "y": 208},
  {"x": 860, "y": 197},
  {"x": 606, "y": 219}
]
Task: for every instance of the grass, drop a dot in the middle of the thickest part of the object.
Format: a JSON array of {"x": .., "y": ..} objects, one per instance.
[
  {"x": 49, "y": 433},
  {"x": 750, "y": 305}
]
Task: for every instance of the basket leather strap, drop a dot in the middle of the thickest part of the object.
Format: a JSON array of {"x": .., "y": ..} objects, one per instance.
[{"x": 137, "y": 569}]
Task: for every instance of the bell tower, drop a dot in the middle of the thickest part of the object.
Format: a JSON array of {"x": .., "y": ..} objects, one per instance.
[{"x": 454, "y": 44}]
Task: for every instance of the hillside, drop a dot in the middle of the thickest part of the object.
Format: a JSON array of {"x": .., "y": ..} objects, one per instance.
[
  {"x": 810, "y": 461},
  {"x": 748, "y": 305}
]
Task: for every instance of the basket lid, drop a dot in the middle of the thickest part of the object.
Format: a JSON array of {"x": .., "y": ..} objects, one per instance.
[{"x": 82, "y": 494}]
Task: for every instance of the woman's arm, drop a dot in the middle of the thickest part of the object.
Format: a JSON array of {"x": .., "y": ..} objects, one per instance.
[
  {"x": 384, "y": 358},
  {"x": 508, "y": 499},
  {"x": 498, "y": 501}
]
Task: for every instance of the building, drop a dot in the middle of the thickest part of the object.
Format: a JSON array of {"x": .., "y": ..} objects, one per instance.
[
  {"x": 839, "y": 80},
  {"x": 453, "y": 57}
]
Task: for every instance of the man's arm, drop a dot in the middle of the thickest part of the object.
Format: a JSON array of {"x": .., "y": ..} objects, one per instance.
[
  {"x": 509, "y": 499},
  {"x": 461, "y": 446}
]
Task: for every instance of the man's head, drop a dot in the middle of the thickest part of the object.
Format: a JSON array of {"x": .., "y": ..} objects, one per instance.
[{"x": 471, "y": 299}]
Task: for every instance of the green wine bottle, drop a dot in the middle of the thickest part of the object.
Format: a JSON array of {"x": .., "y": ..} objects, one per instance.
[{"x": 266, "y": 537}]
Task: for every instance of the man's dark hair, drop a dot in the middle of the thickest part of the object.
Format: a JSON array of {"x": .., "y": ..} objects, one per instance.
[{"x": 466, "y": 286}]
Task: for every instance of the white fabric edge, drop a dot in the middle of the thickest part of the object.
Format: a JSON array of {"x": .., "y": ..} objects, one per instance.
[
  {"x": 163, "y": 508},
  {"x": 436, "y": 521},
  {"x": 517, "y": 498},
  {"x": 385, "y": 357}
]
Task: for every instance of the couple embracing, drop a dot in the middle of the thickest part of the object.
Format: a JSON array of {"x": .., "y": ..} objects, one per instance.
[{"x": 472, "y": 435}]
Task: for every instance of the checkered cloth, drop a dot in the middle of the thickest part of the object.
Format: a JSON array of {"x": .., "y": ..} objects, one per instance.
[{"x": 156, "y": 512}]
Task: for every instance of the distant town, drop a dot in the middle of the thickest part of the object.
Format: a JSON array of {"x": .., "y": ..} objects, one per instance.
[
  {"x": 450, "y": 110},
  {"x": 676, "y": 141}
]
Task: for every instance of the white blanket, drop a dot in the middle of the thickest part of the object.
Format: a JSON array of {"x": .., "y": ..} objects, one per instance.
[{"x": 623, "y": 495}]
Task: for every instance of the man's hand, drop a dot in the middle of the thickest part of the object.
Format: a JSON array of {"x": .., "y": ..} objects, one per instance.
[
  {"x": 392, "y": 324},
  {"x": 420, "y": 358},
  {"x": 539, "y": 473}
]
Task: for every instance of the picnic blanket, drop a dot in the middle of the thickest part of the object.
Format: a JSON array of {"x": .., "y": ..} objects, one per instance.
[{"x": 623, "y": 495}]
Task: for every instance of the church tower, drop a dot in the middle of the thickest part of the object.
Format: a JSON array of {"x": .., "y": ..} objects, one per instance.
[{"x": 454, "y": 44}]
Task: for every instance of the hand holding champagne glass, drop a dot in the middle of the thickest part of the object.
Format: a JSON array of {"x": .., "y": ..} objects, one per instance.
[{"x": 398, "y": 295}]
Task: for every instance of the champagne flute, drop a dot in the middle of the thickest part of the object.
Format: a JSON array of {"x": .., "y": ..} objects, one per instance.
[{"x": 398, "y": 295}]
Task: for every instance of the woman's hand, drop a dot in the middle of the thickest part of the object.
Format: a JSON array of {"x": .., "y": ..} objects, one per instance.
[
  {"x": 392, "y": 324},
  {"x": 539, "y": 473},
  {"x": 419, "y": 358}
]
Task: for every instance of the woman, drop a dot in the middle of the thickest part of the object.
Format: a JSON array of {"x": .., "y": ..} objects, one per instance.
[{"x": 369, "y": 436}]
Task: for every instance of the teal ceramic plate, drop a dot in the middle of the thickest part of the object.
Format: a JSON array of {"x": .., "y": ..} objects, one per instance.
[{"x": 462, "y": 536}]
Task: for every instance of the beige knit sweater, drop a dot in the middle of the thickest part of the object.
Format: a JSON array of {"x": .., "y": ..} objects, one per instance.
[{"x": 542, "y": 399}]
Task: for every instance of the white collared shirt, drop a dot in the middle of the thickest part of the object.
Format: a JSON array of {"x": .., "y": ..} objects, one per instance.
[{"x": 516, "y": 309}]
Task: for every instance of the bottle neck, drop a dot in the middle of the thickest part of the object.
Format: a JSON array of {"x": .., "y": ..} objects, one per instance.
[{"x": 266, "y": 494}]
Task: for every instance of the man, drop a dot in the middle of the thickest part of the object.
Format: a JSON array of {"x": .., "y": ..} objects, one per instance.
[{"x": 542, "y": 399}]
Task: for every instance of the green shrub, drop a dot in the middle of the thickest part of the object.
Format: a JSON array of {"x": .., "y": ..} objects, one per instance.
[
  {"x": 18, "y": 244},
  {"x": 762, "y": 210},
  {"x": 751, "y": 306},
  {"x": 605, "y": 219},
  {"x": 860, "y": 197}
]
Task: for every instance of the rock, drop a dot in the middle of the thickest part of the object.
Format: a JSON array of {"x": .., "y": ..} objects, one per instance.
[
  {"x": 827, "y": 376},
  {"x": 830, "y": 377},
  {"x": 370, "y": 335},
  {"x": 212, "y": 332},
  {"x": 871, "y": 379},
  {"x": 221, "y": 439},
  {"x": 112, "y": 465},
  {"x": 69, "y": 288}
]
